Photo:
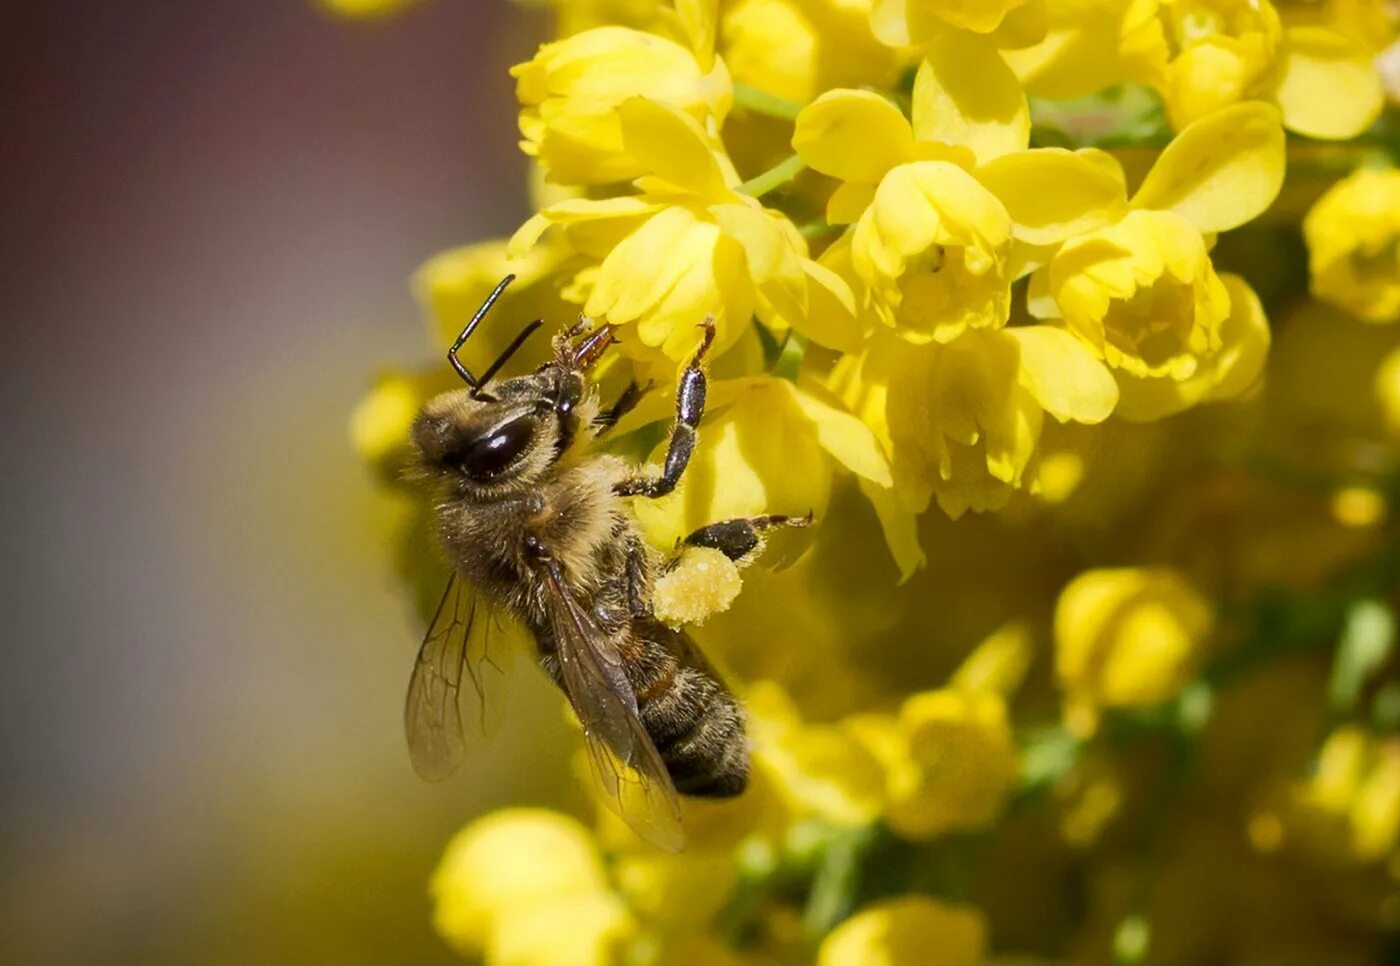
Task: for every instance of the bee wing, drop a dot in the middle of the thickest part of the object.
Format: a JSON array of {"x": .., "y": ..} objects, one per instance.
[
  {"x": 465, "y": 640},
  {"x": 636, "y": 785}
]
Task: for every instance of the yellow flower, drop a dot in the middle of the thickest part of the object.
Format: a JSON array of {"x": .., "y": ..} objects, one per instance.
[
  {"x": 1352, "y": 797},
  {"x": 1143, "y": 294},
  {"x": 365, "y": 9},
  {"x": 690, "y": 247},
  {"x": 451, "y": 286},
  {"x": 822, "y": 771},
  {"x": 795, "y": 49},
  {"x": 1202, "y": 55},
  {"x": 1127, "y": 638},
  {"x": 501, "y": 873},
  {"x": 960, "y": 765},
  {"x": 909, "y": 931},
  {"x": 1353, "y": 236},
  {"x": 901, "y": 23},
  {"x": 961, "y": 421},
  {"x": 1078, "y": 54},
  {"x": 937, "y": 201},
  {"x": 1388, "y": 391},
  {"x": 588, "y": 929},
  {"x": 570, "y": 91}
]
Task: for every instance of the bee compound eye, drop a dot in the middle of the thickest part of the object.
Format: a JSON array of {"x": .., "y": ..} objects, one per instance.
[{"x": 489, "y": 455}]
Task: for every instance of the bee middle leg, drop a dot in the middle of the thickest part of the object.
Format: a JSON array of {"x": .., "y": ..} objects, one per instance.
[
  {"x": 738, "y": 538},
  {"x": 690, "y": 406}
]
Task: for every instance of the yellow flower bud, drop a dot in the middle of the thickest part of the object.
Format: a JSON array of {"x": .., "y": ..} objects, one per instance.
[
  {"x": 1353, "y": 236},
  {"x": 508, "y": 863},
  {"x": 910, "y": 931},
  {"x": 1128, "y": 637},
  {"x": 1351, "y": 802}
]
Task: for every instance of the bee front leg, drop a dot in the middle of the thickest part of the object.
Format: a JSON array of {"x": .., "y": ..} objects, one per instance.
[
  {"x": 690, "y": 406},
  {"x": 738, "y": 538}
]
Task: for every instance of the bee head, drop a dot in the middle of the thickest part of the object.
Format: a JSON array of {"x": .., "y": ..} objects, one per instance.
[{"x": 495, "y": 446}]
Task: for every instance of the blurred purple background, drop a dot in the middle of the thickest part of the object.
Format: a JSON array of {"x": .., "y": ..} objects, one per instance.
[{"x": 211, "y": 214}]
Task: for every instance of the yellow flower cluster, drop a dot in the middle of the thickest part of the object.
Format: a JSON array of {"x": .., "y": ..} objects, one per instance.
[{"x": 980, "y": 256}]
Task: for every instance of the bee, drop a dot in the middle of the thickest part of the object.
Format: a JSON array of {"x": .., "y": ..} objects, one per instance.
[{"x": 538, "y": 532}]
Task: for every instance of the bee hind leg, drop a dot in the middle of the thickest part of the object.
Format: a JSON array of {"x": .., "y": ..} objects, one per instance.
[
  {"x": 740, "y": 537},
  {"x": 690, "y": 406}
]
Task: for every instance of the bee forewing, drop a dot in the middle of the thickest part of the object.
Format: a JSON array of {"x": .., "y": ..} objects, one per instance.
[
  {"x": 630, "y": 773},
  {"x": 451, "y": 693}
]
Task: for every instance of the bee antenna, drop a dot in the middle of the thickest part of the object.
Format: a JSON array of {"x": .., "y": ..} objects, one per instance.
[
  {"x": 470, "y": 327},
  {"x": 505, "y": 355}
]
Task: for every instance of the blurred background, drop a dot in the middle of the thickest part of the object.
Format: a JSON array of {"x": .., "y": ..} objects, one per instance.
[{"x": 211, "y": 216}]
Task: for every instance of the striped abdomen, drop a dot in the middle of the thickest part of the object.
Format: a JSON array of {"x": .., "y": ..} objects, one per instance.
[{"x": 695, "y": 723}]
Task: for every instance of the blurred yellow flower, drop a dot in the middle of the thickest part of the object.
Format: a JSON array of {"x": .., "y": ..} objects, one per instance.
[
  {"x": 1353, "y": 236},
  {"x": 1127, "y": 638},
  {"x": 691, "y": 247},
  {"x": 823, "y": 771},
  {"x": 570, "y": 91},
  {"x": 1388, "y": 391},
  {"x": 961, "y": 763},
  {"x": 365, "y": 9},
  {"x": 909, "y": 931},
  {"x": 1351, "y": 801},
  {"x": 503, "y": 873}
]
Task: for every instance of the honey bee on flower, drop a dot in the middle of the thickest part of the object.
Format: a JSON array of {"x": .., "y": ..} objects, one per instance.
[{"x": 1015, "y": 315}]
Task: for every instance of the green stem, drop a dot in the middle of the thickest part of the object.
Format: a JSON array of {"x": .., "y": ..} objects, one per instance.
[
  {"x": 770, "y": 105},
  {"x": 774, "y": 177}
]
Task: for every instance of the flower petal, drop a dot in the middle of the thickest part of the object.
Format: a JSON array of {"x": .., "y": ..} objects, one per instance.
[
  {"x": 1053, "y": 194},
  {"x": 841, "y": 434},
  {"x": 899, "y": 526},
  {"x": 672, "y": 145},
  {"x": 1330, "y": 87},
  {"x": 852, "y": 135},
  {"x": 1064, "y": 375},
  {"x": 965, "y": 94},
  {"x": 1220, "y": 171},
  {"x": 848, "y": 202}
]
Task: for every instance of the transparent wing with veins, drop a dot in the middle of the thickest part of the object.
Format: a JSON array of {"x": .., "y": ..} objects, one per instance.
[
  {"x": 633, "y": 778},
  {"x": 466, "y": 646}
]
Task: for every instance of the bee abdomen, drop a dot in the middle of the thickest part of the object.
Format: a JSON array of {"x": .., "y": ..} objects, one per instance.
[{"x": 698, "y": 730}]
